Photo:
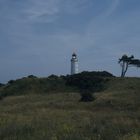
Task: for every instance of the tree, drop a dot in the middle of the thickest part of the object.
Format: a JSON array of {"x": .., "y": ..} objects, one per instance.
[{"x": 126, "y": 61}]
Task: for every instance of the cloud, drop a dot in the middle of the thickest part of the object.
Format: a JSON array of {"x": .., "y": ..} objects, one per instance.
[
  {"x": 112, "y": 8},
  {"x": 42, "y": 9}
]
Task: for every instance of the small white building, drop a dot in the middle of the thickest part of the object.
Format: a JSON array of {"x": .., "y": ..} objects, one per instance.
[{"x": 74, "y": 64}]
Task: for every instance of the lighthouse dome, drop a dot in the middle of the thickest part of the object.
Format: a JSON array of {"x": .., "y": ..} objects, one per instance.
[{"x": 74, "y": 54}]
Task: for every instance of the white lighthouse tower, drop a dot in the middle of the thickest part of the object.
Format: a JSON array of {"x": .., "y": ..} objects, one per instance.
[{"x": 74, "y": 64}]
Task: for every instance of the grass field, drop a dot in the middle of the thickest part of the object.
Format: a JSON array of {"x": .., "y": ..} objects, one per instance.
[{"x": 114, "y": 115}]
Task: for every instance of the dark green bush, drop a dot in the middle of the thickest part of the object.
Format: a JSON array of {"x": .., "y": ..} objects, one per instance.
[
  {"x": 11, "y": 81},
  {"x": 86, "y": 96},
  {"x": 1, "y": 85},
  {"x": 88, "y": 83},
  {"x": 32, "y": 76}
]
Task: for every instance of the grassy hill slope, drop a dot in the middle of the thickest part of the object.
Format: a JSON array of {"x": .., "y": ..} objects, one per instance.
[{"x": 114, "y": 115}]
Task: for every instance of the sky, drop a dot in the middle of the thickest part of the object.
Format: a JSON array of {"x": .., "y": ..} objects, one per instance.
[{"x": 38, "y": 37}]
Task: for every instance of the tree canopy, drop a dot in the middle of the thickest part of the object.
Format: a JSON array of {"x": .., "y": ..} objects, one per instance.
[{"x": 126, "y": 61}]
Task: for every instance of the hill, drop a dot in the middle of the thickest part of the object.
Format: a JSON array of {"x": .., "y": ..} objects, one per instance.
[
  {"x": 115, "y": 114},
  {"x": 50, "y": 84}
]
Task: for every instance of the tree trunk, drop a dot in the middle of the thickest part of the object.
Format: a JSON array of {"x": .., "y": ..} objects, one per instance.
[
  {"x": 124, "y": 68},
  {"x": 122, "y": 74}
]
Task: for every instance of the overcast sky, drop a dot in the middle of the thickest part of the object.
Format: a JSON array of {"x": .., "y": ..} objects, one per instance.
[{"x": 39, "y": 36}]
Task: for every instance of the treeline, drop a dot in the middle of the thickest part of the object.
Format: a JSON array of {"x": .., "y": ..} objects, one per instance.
[{"x": 86, "y": 83}]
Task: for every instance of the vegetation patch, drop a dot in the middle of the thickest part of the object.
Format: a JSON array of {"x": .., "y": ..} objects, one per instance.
[{"x": 40, "y": 114}]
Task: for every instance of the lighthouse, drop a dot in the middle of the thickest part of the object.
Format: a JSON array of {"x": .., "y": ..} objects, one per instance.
[{"x": 74, "y": 64}]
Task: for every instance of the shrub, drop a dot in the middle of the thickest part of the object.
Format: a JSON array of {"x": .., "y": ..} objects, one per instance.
[
  {"x": 1, "y": 85},
  {"x": 86, "y": 96},
  {"x": 11, "y": 81},
  {"x": 32, "y": 76},
  {"x": 87, "y": 83}
]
